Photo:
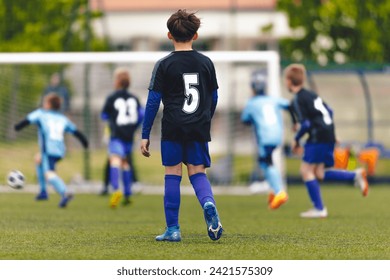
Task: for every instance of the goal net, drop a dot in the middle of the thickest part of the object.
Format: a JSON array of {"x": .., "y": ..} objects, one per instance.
[{"x": 88, "y": 79}]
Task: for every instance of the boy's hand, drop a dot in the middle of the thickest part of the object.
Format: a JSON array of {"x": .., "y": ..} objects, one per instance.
[
  {"x": 145, "y": 147},
  {"x": 296, "y": 148},
  {"x": 295, "y": 127}
]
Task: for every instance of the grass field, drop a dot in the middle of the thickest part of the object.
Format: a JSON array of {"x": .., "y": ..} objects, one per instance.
[
  {"x": 357, "y": 228},
  {"x": 20, "y": 156}
]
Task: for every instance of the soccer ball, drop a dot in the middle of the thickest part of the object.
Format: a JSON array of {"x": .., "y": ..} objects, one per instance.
[{"x": 15, "y": 179}]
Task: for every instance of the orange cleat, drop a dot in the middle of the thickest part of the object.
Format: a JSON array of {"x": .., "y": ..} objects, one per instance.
[
  {"x": 278, "y": 200},
  {"x": 271, "y": 196}
]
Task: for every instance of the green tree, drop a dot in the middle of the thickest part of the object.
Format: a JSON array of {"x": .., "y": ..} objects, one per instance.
[
  {"x": 46, "y": 25},
  {"x": 38, "y": 26},
  {"x": 337, "y": 30}
]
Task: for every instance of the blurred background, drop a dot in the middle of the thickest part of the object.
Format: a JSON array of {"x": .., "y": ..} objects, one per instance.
[{"x": 343, "y": 44}]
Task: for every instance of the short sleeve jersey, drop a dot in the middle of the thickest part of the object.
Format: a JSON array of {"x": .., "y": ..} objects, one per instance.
[
  {"x": 186, "y": 81},
  {"x": 265, "y": 113},
  {"x": 52, "y": 126},
  {"x": 309, "y": 106},
  {"x": 121, "y": 109}
]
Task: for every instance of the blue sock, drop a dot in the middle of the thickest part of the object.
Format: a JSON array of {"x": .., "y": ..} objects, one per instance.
[
  {"x": 58, "y": 185},
  {"x": 127, "y": 180},
  {"x": 273, "y": 177},
  {"x": 339, "y": 175},
  {"x": 172, "y": 200},
  {"x": 313, "y": 188},
  {"x": 41, "y": 178},
  {"x": 202, "y": 188},
  {"x": 114, "y": 177}
]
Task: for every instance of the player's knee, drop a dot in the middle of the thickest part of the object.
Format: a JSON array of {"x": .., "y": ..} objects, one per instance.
[
  {"x": 115, "y": 161},
  {"x": 195, "y": 169},
  {"x": 50, "y": 174},
  {"x": 265, "y": 162},
  {"x": 125, "y": 165},
  {"x": 307, "y": 173},
  {"x": 174, "y": 170},
  {"x": 320, "y": 174},
  {"x": 37, "y": 159}
]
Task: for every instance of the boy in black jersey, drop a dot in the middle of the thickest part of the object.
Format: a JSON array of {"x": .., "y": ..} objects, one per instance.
[
  {"x": 124, "y": 114},
  {"x": 185, "y": 81},
  {"x": 316, "y": 119}
]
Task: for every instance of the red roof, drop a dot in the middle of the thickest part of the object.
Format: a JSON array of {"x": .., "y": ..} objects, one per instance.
[{"x": 156, "y": 5}]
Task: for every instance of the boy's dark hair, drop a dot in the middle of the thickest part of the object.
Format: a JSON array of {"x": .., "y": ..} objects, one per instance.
[
  {"x": 54, "y": 101},
  {"x": 183, "y": 25},
  {"x": 296, "y": 73}
]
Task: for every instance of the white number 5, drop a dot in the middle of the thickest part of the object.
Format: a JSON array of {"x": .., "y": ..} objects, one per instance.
[{"x": 191, "y": 101}]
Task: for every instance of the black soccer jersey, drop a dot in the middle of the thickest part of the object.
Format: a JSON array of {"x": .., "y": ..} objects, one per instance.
[
  {"x": 186, "y": 80},
  {"x": 309, "y": 106},
  {"x": 121, "y": 109}
]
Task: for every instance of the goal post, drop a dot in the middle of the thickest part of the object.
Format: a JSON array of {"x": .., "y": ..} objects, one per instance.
[
  {"x": 270, "y": 58},
  {"x": 229, "y": 137}
]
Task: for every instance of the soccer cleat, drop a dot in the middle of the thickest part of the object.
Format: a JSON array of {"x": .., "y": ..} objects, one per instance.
[
  {"x": 115, "y": 198},
  {"x": 271, "y": 196},
  {"x": 65, "y": 200},
  {"x": 278, "y": 200},
  {"x": 126, "y": 201},
  {"x": 315, "y": 213},
  {"x": 104, "y": 192},
  {"x": 171, "y": 234},
  {"x": 214, "y": 226},
  {"x": 42, "y": 196},
  {"x": 361, "y": 181}
]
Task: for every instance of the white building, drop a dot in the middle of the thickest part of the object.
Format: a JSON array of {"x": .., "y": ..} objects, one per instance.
[{"x": 226, "y": 24}]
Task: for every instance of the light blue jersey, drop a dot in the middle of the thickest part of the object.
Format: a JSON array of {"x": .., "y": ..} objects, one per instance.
[
  {"x": 264, "y": 112},
  {"x": 52, "y": 126}
]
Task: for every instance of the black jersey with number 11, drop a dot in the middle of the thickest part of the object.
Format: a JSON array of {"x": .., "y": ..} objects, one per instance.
[
  {"x": 309, "y": 106},
  {"x": 186, "y": 81}
]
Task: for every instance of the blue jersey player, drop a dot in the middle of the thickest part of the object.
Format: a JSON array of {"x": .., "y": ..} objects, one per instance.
[
  {"x": 52, "y": 125},
  {"x": 185, "y": 81},
  {"x": 124, "y": 113},
  {"x": 316, "y": 120},
  {"x": 264, "y": 112}
]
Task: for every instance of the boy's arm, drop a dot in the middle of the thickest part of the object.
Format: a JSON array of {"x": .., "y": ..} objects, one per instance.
[
  {"x": 81, "y": 137},
  {"x": 288, "y": 106},
  {"x": 214, "y": 103},
  {"x": 246, "y": 116},
  {"x": 294, "y": 120},
  {"x": 22, "y": 124},
  {"x": 105, "y": 113},
  {"x": 305, "y": 126},
  {"x": 152, "y": 106}
]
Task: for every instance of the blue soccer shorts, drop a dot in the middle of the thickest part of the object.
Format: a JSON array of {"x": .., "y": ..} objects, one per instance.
[
  {"x": 265, "y": 154},
  {"x": 119, "y": 147},
  {"x": 316, "y": 153},
  {"x": 195, "y": 153},
  {"x": 49, "y": 162}
]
